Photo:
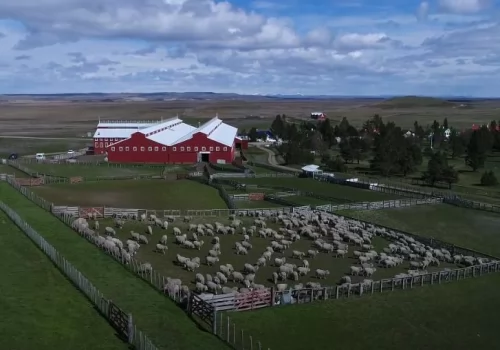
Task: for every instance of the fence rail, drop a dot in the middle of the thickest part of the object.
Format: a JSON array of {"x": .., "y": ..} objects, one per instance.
[{"x": 119, "y": 319}]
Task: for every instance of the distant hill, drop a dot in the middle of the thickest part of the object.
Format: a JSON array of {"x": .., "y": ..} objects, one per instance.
[{"x": 414, "y": 102}]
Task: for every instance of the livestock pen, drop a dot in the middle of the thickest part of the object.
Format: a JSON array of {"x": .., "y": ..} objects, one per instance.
[{"x": 152, "y": 312}]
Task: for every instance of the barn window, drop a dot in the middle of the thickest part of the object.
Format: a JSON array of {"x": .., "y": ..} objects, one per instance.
[
  {"x": 189, "y": 149},
  {"x": 156, "y": 149},
  {"x": 101, "y": 145},
  {"x": 164, "y": 148},
  {"x": 135, "y": 148},
  {"x": 150, "y": 149},
  {"x": 225, "y": 148},
  {"x": 105, "y": 139},
  {"x": 217, "y": 149},
  {"x": 120, "y": 149},
  {"x": 203, "y": 148},
  {"x": 196, "y": 149},
  {"x": 143, "y": 149},
  {"x": 174, "y": 149},
  {"x": 182, "y": 149},
  {"x": 211, "y": 148},
  {"x": 112, "y": 148},
  {"x": 126, "y": 148}
]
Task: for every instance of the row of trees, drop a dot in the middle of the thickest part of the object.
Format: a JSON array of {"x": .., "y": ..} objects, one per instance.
[{"x": 387, "y": 147}]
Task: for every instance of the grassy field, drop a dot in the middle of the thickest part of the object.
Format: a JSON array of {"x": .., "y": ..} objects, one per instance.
[
  {"x": 468, "y": 228},
  {"x": 41, "y": 309},
  {"x": 147, "y": 194},
  {"x": 5, "y": 169},
  {"x": 255, "y": 204},
  {"x": 69, "y": 170},
  {"x": 165, "y": 263},
  {"x": 167, "y": 325},
  {"x": 342, "y": 193},
  {"x": 32, "y": 146},
  {"x": 461, "y": 316}
]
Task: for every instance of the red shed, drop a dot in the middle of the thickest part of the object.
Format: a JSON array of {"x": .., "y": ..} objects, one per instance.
[{"x": 173, "y": 141}]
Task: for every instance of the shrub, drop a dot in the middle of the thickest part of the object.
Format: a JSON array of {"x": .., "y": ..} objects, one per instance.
[{"x": 489, "y": 179}]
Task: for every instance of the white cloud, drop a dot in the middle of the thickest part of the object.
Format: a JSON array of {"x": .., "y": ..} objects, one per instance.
[{"x": 186, "y": 45}]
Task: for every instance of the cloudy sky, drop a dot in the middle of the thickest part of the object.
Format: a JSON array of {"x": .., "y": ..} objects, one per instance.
[{"x": 332, "y": 47}]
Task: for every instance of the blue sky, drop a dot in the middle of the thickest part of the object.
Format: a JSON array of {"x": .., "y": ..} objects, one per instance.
[{"x": 331, "y": 47}]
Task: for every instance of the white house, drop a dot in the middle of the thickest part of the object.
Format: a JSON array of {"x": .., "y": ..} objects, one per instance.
[{"x": 447, "y": 133}]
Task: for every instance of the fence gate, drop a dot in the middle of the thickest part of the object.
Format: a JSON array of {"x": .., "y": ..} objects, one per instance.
[
  {"x": 85, "y": 212},
  {"x": 118, "y": 319},
  {"x": 202, "y": 309}
]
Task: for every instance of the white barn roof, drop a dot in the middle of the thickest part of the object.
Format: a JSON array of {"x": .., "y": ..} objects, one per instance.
[
  {"x": 120, "y": 124},
  {"x": 171, "y": 135},
  {"x": 311, "y": 168},
  {"x": 114, "y": 133},
  {"x": 119, "y": 129},
  {"x": 216, "y": 130}
]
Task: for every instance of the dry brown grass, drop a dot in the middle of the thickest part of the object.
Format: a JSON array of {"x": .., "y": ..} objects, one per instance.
[{"x": 76, "y": 118}]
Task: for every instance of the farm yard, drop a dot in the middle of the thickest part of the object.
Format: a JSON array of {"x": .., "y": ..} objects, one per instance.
[
  {"x": 56, "y": 316},
  {"x": 151, "y": 194}
]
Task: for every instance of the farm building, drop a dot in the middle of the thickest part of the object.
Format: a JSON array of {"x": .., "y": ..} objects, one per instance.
[
  {"x": 173, "y": 141},
  {"x": 318, "y": 116}
]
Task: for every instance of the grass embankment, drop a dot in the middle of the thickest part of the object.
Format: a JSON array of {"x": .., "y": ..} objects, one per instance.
[
  {"x": 91, "y": 171},
  {"x": 458, "y": 315},
  {"x": 468, "y": 228},
  {"x": 167, "y": 325},
  {"x": 147, "y": 194},
  {"x": 40, "y": 308}
]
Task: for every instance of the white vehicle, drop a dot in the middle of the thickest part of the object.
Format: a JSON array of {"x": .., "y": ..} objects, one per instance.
[
  {"x": 71, "y": 151},
  {"x": 40, "y": 156}
]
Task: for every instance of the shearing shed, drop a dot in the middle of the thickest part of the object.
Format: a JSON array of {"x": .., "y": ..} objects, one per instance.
[{"x": 168, "y": 141}]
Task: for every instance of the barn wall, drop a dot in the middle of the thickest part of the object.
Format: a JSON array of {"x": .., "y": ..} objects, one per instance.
[
  {"x": 138, "y": 140},
  {"x": 104, "y": 142},
  {"x": 200, "y": 140}
]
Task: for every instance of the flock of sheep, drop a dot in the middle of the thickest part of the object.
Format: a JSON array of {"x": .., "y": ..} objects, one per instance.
[{"x": 325, "y": 233}]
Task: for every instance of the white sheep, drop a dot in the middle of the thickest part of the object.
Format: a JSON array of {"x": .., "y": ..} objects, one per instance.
[
  {"x": 322, "y": 273},
  {"x": 213, "y": 253},
  {"x": 199, "y": 278},
  {"x": 340, "y": 252},
  {"x": 181, "y": 259},
  {"x": 143, "y": 239},
  {"x": 191, "y": 265},
  {"x": 177, "y": 231},
  {"x": 161, "y": 248},
  {"x": 213, "y": 287},
  {"x": 188, "y": 244},
  {"x": 135, "y": 235},
  {"x": 250, "y": 268},
  {"x": 201, "y": 287},
  {"x": 305, "y": 263},
  {"x": 149, "y": 230},
  {"x": 312, "y": 253},
  {"x": 210, "y": 260},
  {"x": 164, "y": 239},
  {"x": 110, "y": 231},
  {"x": 241, "y": 250}
]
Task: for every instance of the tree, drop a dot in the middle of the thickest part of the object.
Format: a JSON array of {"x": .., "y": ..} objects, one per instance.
[
  {"x": 253, "y": 135},
  {"x": 439, "y": 170},
  {"x": 418, "y": 130},
  {"x": 336, "y": 165},
  {"x": 278, "y": 127},
  {"x": 489, "y": 179},
  {"x": 445, "y": 123},
  {"x": 456, "y": 144},
  {"x": 346, "y": 151},
  {"x": 326, "y": 130},
  {"x": 479, "y": 144}
]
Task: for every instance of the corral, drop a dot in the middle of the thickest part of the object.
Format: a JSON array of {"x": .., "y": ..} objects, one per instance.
[{"x": 48, "y": 318}]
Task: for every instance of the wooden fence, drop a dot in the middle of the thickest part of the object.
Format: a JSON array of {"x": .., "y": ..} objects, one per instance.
[
  {"x": 293, "y": 296},
  {"x": 119, "y": 319}
]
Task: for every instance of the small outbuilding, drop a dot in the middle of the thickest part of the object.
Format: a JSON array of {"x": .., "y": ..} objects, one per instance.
[{"x": 311, "y": 170}]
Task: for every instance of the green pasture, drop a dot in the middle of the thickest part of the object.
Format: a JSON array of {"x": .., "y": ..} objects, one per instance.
[
  {"x": 473, "y": 229},
  {"x": 164, "y": 322},
  {"x": 5, "y": 169},
  {"x": 91, "y": 170},
  {"x": 339, "y": 192},
  {"x": 40, "y": 308},
  {"x": 143, "y": 194},
  {"x": 459, "y": 315}
]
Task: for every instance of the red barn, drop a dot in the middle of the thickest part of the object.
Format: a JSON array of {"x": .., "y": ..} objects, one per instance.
[
  {"x": 113, "y": 131},
  {"x": 173, "y": 141}
]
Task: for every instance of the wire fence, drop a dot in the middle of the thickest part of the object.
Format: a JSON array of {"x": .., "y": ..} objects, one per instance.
[{"x": 106, "y": 307}]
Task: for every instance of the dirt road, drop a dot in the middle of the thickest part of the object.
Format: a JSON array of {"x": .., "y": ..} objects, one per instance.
[{"x": 272, "y": 159}]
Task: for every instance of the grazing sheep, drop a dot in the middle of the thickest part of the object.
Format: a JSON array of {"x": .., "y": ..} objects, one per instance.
[
  {"x": 191, "y": 265},
  {"x": 143, "y": 239},
  {"x": 164, "y": 239},
  {"x": 312, "y": 253},
  {"x": 161, "y": 248},
  {"x": 341, "y": 252},
  {"x": 110, "y": 231},
  {"x": 177, "y": 231},
  {"x": 181, "y": 259},
  {"x": 199, "y": 278},
  {"x": 250, "y": 268},
  {"x": 201, "y": 287},
  {"x": 96, "y": 225},
  {"x": 210, "y": 260},
  {"x": 322, "y": 273},
  {"x": 149, "y": 230}
]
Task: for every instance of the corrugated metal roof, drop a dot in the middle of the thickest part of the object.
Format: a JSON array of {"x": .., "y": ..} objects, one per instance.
[
  {"x": 169, "y": 136},
  {"x": 119, "y": 124},
  {"x": 157, "y": 127},
  {"x": 114, "y": 133},
  {"x": 215, "y": 130},
  {"x": 224, "y": 134}
]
